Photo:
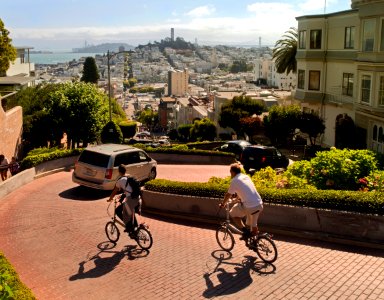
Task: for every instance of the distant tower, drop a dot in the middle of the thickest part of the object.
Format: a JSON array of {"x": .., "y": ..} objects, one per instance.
[
  {"x": 172, "y": 34},
  {"x": 259, "y": 41}
]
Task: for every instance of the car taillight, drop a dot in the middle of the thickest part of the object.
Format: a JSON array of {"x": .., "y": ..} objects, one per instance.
[
  {"x": 263, "y": 159},
  {"x": 108, "y": 174}
]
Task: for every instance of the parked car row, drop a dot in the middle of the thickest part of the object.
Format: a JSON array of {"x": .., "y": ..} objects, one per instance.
[{"x": 255, "y": 156}]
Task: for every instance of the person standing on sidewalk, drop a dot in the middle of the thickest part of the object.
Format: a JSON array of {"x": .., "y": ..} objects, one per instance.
[
  {"x": 250, "y": 205},
  {"x": 14, "y": 166},
  {"x": 3, "y": 167}
]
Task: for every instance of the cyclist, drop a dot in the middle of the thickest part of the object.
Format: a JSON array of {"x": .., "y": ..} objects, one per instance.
[
  {"x": 251, "y": 204},
  {"x": 126, "y": 211}
]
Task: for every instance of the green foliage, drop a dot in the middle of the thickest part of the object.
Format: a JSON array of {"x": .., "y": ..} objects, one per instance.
[
  {"x": 90, "y": 71},
  {"x": 353, "y": 201},
  {"x": 239, "y": 108},
  {"x": 38, "y": 156},
  {"x": 341, "y": 169},
  {"x": 373, "y": 182},
  {"x": 10, "y": 285},
  {"x": 111, "y": 133},
  {"x": 39, "y": 127},
  {"x": 184, "y": 132},
  {"x": 281, "y": 123},
  {"x": 311, "y": 124},
  {"x": 81, "y": 109},
  {"x": 7, "y": 51},
  {"x": 284, "y": 52},
  {"x": 149, "y": 118},
  {"x": 203, "y": 130},
  {"x": 128, "y": 129},
  {"x": 239, "y": 66}
]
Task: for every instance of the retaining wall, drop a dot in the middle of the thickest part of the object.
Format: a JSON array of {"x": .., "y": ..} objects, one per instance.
[{"x": 327, "y": 223}]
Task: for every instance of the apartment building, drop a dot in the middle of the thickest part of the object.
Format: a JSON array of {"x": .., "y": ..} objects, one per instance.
[
  {"x": 340, "y": 70},
  {"x": 178, "y": 82},
  {"x": 265, "y": 70}
]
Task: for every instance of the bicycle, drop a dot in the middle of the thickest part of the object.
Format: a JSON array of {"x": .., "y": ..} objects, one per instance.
[
  {"x": 262, "y": 244},
  {"x": 141, "y": 234}
]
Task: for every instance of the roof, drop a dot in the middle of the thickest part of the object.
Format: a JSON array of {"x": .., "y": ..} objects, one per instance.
[{"x": 15, "y": 80}]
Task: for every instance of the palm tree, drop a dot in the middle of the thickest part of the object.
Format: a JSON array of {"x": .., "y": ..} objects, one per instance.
[{"x": 285, "y": 52}]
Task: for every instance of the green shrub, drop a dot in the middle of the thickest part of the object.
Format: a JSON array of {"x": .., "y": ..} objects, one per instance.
[
  {"x": 111, "y": 133},
  {"x": 373, "y": 182},
  {"x": 33, "y": 159},
  {"x": 341, "y": 169},
  {"x": 10, "y": 285},
  {"x": 128, "y": 129},
  {"x": 353, "y": 201}
]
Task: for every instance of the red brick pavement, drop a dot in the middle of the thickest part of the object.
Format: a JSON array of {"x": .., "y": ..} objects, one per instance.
[{"x": 53, "y": 233}]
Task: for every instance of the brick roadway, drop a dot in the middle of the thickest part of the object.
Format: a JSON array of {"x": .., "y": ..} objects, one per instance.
[{"x": 52, "y": 231}]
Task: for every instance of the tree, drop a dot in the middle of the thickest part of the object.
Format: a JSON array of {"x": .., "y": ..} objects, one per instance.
[
  {"x": 203, "y": 130},
  {"x": 81, "y": 109},
  {"x": 90, "y": 71},
  {"x": 111, "y": 133},
  {"x": 240, "y": 107},
  {"x": 149, "y": 118},
  {"x": 7, "y": 51},
  {"x": 281, "y": 123},
  {"x": 184, "y": 132},
  {"x": 313, "y": 125},
  {"x": 284, "y": 52},
  {"x": 251, "y": 126}
]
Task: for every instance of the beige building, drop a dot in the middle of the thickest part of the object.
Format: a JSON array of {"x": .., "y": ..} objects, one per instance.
[
  {"x": 178, "y": 82},
  {"x": 340, "y": 70}
]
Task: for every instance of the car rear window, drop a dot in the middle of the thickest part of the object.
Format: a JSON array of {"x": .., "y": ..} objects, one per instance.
[{"x": 94, "y": 158}]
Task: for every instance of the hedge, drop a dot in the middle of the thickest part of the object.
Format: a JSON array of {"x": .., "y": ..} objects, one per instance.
[
  {"x": 10, "y": 285},
  {"x": 43, "y": 156},
  {"x": 353, "y": 201}
]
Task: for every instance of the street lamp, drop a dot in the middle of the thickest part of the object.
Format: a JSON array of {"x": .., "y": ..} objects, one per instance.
[{"x": 109, "y": 56}]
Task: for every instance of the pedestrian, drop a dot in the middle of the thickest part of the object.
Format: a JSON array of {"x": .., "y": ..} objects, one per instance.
[
  {"x": 14, "y": 166},
  {"x": 3, "y": 167},
  {"x": 250, "y": 204}
]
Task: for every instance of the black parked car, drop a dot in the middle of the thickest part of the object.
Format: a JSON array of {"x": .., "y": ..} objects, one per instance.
[
  {"x": 257, "y": 157},
  {"x": 236, "y": 147}
]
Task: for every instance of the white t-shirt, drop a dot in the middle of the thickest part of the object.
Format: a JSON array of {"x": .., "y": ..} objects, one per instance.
[
  {"x": 122, "y": 185},
  {"x": 243, "y": 186}
]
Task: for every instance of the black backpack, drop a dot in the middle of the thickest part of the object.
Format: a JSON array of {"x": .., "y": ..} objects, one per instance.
[{"x": 135, "y": 185}]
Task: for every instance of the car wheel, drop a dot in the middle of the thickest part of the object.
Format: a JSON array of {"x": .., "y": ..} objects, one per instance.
[{"x": 152, "y": 174}]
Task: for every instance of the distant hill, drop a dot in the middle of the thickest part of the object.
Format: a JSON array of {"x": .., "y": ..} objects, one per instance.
[{"x": 103, "y": 48}]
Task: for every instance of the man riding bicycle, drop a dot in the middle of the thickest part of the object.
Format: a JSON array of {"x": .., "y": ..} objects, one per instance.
[
  {"x": 251, "y": 204},
  {"x": 126, "y": 211}
]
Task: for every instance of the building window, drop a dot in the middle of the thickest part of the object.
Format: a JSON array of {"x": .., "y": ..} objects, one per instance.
[
  {"x": 381, "y": 90},
  {"x": 300, "y": 79},
  {"x": 382, "y": 36},
  {"x": 349, "y": 38},
  {"x": 314, "y": 80},
  {"x": 347, "y": 89},
  {"x": 302, "y": 39},
  {"x": 365, "y": 88},
  {"x": 368, "y": 35},
  {"x": 315, "y": 39}
]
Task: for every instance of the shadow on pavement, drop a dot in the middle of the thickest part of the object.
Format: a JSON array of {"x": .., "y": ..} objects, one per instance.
[
  {"x": 84, "y": 193},
  {"x": 104, "y": 265},
  {"x": 236, "y": 278}
]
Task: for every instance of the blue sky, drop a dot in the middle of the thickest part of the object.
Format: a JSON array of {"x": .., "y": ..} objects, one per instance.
[{"x": 64, "y": 24}]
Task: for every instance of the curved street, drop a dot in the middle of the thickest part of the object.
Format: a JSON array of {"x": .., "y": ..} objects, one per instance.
[{"x": 52, "y": 231}]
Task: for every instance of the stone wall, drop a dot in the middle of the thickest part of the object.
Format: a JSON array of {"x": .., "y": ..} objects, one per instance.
[{"x": 11, "y": 127}]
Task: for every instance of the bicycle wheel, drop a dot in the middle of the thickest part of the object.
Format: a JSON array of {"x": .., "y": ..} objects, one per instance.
[
  {"x": 224, "y": 238},
  {"x": 266, "y": 249},
  {"x": 112, "y": 232},
  {"x": 144, "y": 238}
]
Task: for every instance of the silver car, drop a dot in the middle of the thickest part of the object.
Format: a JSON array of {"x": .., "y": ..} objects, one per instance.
[{"x": 97, "y": 166}]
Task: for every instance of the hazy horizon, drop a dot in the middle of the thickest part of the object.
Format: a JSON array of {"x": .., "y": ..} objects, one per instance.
[{"x": 67, "y": 24}]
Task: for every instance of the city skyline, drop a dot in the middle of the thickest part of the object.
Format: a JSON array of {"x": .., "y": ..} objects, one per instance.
[{"x": 67, "y": 24}]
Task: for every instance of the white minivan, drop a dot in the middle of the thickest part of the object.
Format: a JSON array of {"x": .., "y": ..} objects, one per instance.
[{"x": 97, "y": 166}]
